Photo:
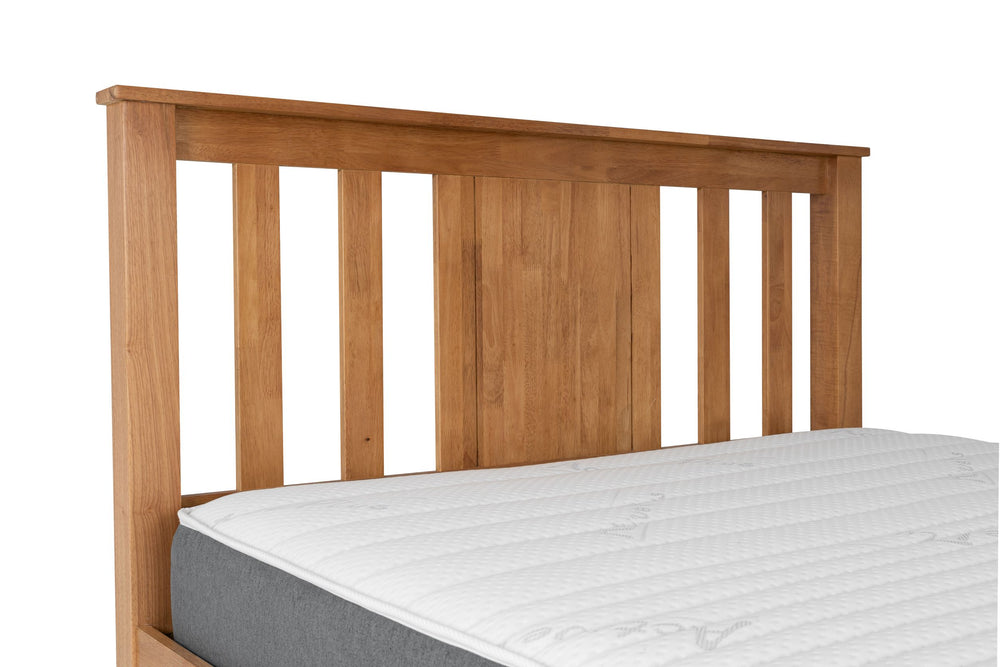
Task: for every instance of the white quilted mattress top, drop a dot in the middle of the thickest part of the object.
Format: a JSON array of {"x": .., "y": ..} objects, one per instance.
[{"x": 841, "y": 547}]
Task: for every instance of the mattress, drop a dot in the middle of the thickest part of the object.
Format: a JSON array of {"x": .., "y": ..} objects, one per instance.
[{"x": 838, "y": 547}]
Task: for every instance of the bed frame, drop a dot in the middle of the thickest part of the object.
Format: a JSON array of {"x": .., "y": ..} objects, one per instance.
[{"x": 546, "y": 284}]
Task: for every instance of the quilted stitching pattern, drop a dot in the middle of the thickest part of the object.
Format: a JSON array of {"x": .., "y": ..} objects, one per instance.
[{"x": 840, "y": 547}]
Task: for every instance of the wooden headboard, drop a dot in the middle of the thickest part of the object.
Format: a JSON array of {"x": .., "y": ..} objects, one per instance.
[{"x": 546, "y": 284}]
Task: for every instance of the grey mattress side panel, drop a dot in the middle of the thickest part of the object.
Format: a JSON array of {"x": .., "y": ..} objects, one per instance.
[{"x": 235, "y": 611}]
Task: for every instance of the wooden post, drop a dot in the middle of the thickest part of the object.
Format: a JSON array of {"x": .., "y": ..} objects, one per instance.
[
  {"x": 142, "y": 211},
  {"x": 835, "y": 316}
]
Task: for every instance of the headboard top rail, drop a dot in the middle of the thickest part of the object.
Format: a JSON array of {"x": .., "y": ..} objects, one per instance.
[{"x": 427, "y": 119}]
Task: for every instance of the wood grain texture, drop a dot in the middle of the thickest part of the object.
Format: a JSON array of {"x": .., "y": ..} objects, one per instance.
[
  {"x": 225, "y": 136},
  {"x": 645, "y": 263},
  {"x": 713, "y": 315},
  {"x": 266, "y": 105},
  {"x": 361, "y": 406},
  {"x": 555, "y": 339},
  {"x": 257, "y": 284},
  {"x": 195, "y": 499},
  {"x": 546, "y": 293},
  {"x": 777, "y": 312},
  {"x": 142, "y": 209},
  {"x": 158, "y": 650},
  {"x": 455, "y": 322},
  {"x": 835, "y": 299}
]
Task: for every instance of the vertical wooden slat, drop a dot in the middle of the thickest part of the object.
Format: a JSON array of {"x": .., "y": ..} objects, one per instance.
[
  {"x": 835, "y": 307},
  {"x": 257, "y": 285},
  {"x": 361, "y": 425},
  {"x": 713, "y": 315},
  {"x": 777, "y": 312},
  {"x": 645, "y": 214},
  {"x": 455, "y": 321},
  {"x": 142, "y": 211}
]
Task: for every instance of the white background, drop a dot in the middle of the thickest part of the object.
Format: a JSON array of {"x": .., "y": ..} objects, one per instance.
[{"x": 913, "y": 83}]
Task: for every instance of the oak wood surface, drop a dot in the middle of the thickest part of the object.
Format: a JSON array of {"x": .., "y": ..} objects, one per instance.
[
  {"x": 257, "y": 284},
  {"x": 142, "y": 209},
  {"x": 158, "y": 650},
  {"x": 361, "y": 406},
  {"x": 713, "y": 315},
  {"x": 835, "y": 299},
  {"x": 226, "y": 136},
  {"x": 546, "y": 293},
  {"x": 644, "y": 212},
  {"x": 195, "y": 499},
  {"x": 777, "y": 312},
  {"x": 242, "y": 103},
  {"x": 455, "y": 322},
  {"x": 555, "y": 343}
]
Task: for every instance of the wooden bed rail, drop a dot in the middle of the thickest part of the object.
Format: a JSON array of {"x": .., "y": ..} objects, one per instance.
[{"x": 546, "y": 283}]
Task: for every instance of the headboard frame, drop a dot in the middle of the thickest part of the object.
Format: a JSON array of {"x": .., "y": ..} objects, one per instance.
[{"x": 546, "y": 274}]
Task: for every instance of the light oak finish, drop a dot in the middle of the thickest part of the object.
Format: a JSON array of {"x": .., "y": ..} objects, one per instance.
[
  {"x": 547, "y": 323},
  {"x": 835, "y": 298},
  {"x": 142, "y": 210},
  {"x": 455, "y": 323},
  {"x": 645, "y": 263},
  {"x": 713, "y": 315},
  {"x": 195, "y": 499},
  {"x": 257, "y": 283},
  {"x": 361, "y": 406},
  {"x": 776, "y": 292},
  {"x": 555, "y": 339},
  {"x": 278, "y": 107},
  {"x": 226, "y": 136},
  {"x": 158, "y": 650}
]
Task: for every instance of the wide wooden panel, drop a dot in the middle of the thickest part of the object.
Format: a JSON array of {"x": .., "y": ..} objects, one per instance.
[
  {"x": 225, "y": 136},
  {"x": 777, "y": 312},
  {"x": 142, "y": 207},
  {"x": 455, "y": 321},
  {"x": 713, "y": 315},
  {"x": 361, "y": 425},
  {"x": 257, "y": 283},
  {"x": 555, "y": 339},
  {"x": 835, "y": 306},
  {"x": 645, "y": 222}
]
